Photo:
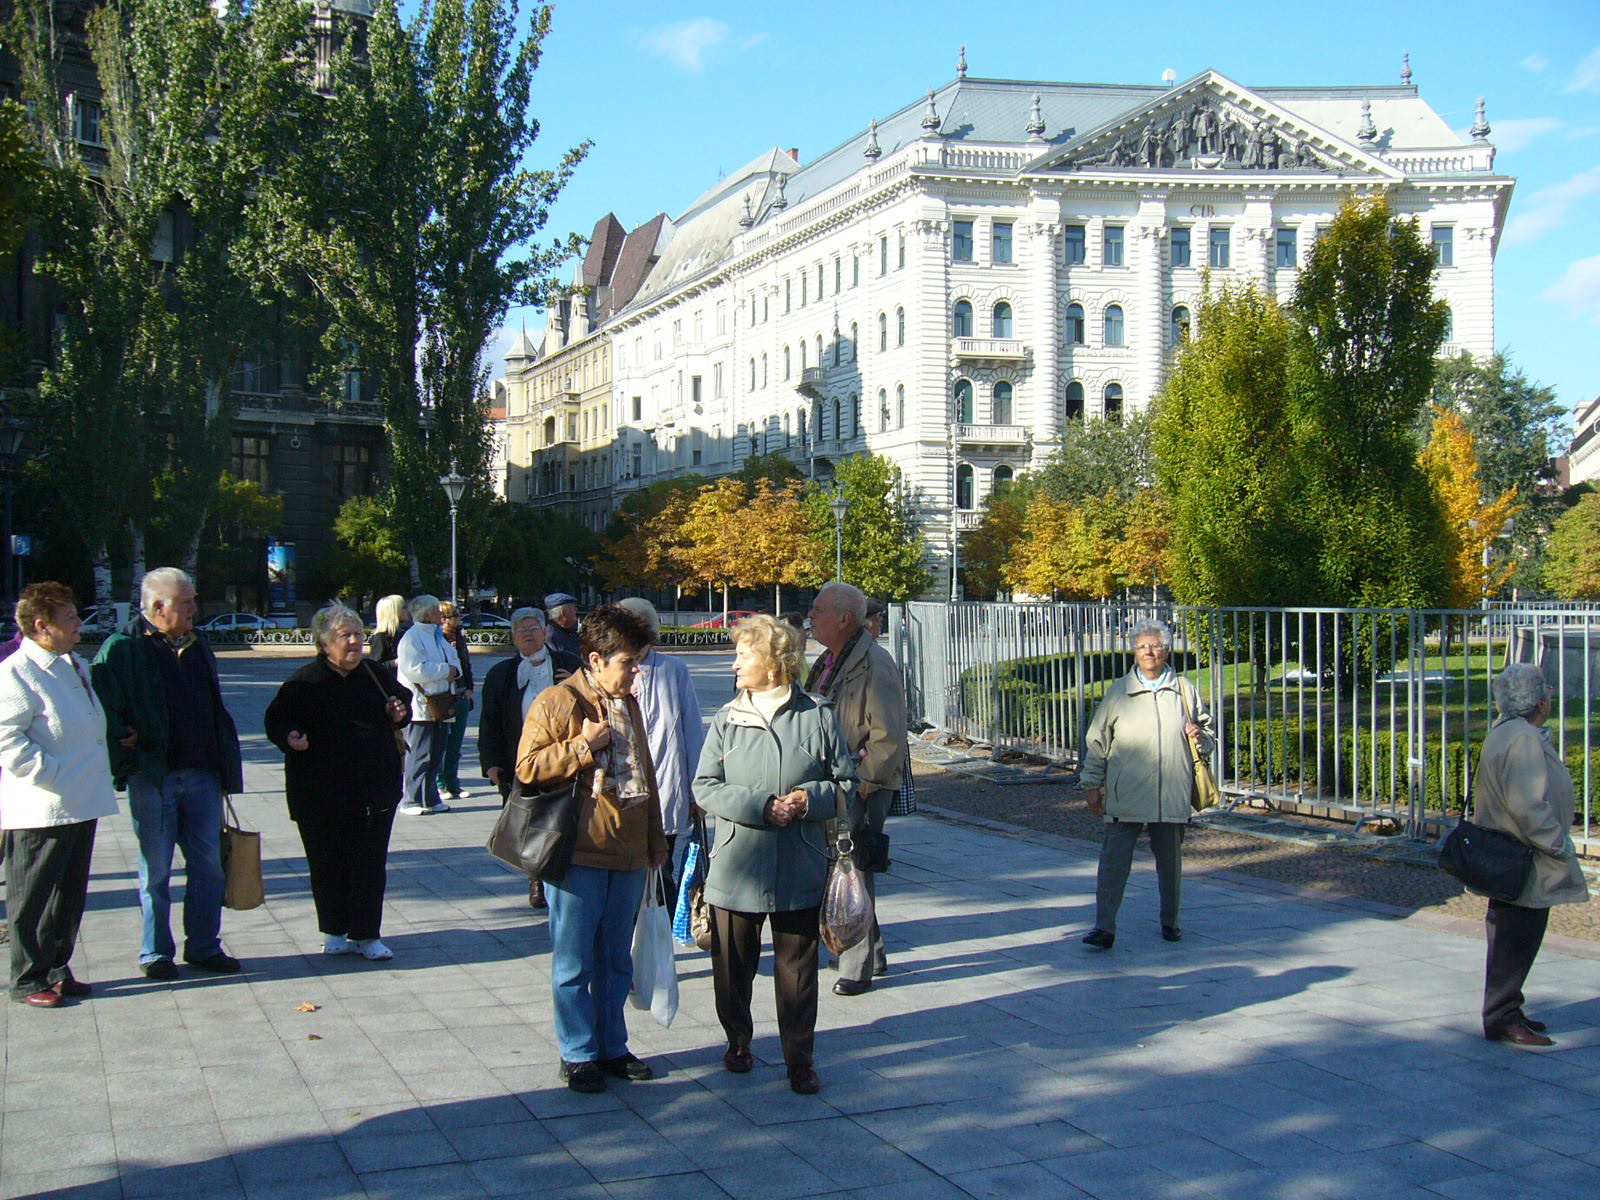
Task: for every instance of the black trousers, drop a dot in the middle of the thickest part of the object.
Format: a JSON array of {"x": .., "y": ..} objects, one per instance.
[
  {"x": 47, "y": 886},
  {"x": 1514, "y": 935},
  {"x": 735, "y": 956},
  {"x": 869, "y": 957},
  {"x": 349, "y": 864}
]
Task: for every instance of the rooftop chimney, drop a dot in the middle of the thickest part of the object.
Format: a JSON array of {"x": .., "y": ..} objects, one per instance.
[{"x": 794, "y": 153}]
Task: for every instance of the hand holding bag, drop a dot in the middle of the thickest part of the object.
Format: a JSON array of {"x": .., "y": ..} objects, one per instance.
[
  {"x": 846, "y": 912},
  {"x": 655, "y": 968},
  {"x": 243, "y": 888}
]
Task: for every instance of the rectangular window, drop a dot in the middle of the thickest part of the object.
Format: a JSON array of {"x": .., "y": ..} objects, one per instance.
[
  {"x": 352, "y": 467},
  {"x": 1002, "y": 241},
  {"x": 722, "y": 316},
  {"x": 86, "y": 121},
  {"x": 805, "y": 281},
  {"x": 1114, "y": 246},
  {"x": 902, "y": 261},
  {"x": 695, "y": 389},
  {"x": 1444, "y": 247},
  {"x": 855, "y": 270},
  {"x": 1288, "y": 243},
  {"x": 1077, "y": 246},
  {"x": 716, "y": 383},
  {"x": 1180, "y": 248},
  {"x": 819, "y": 281},
  {"x": 961, "y": 242},
  {"x": 252, "y": 460},
  {"x": 838, "y": 275},
  {"x": 638, "y": 408},
  {"x": 677, "y": 333},
  {"x": 788, "y": 295},
  {"x": 1221, "y": 247},
  {"x": 699, "y": 325},
  {"x": 883, "y": 255},
  {"x": 638, "y": 461}
]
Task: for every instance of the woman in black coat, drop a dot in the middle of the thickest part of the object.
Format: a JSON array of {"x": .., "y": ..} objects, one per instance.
[{"x": 335, "y": 721}]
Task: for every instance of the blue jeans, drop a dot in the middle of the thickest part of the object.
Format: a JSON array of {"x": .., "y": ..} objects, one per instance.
[
  {"x": 450, "y": 768},
  {"x": 591, "y": 959},
  {"x": 184, "y": 812}
]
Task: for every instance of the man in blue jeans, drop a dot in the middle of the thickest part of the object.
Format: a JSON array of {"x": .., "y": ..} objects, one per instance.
[{"x": 174, "y": 747}]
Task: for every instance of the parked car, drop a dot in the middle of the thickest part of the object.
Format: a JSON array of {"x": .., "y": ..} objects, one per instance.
[
  {"x": 725, "y": 620},
  {"x": 107, "y": 618},
  {"x": 236, "y": 622},
  {"x": 489, "y": 621}
]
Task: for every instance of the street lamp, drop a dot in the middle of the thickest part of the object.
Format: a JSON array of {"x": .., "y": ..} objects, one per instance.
[
  {"x": 840, "y": 506},
  {"x": 454, "y": 484},
  {"x": 12, "y": 432}
]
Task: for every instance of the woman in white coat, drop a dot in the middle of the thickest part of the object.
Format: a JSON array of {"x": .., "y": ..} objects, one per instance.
[
  {"x": 428, "y": 666},
  {"x": 55, "y": 784}
]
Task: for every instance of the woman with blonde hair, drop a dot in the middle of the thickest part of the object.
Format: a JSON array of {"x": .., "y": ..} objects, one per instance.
[
  {"x": 774, "y": 770},
  {"x": 392, "y": 618}
]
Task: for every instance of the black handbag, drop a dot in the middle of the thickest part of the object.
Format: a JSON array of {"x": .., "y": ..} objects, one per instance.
[
  {"x": 536, "y": 830},
  {"x": 1486, "y": 860}
]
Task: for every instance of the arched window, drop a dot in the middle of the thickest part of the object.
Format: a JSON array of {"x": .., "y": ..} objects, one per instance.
[
  {"x": 1114, "y": 325},
  {"x": 786, "y": 371},
  {"x": 855, "y": 415},
  {"x": 883, "y": 409},
  {"x": 1075, "y": 330},
  {"x": 763, "y": 370},
  {"x": 1001, "y": 407},
  {"x": 802, "y": 354},
  {"x": 802, "y": 426},
  {"x": 964, "y": 401},
  {"x": 883, "y": 332},
  {"x": 962, "y": 323},
  {"x": 838, "y": 430},
  {"x": 1002, "y": 478},
  {"x": 838, "y": 349},
  {"x": 1074, "y": 401},
  {"x": 788, "y": 432},
  {"x": 1180, "y": 325},
  {"x": 964, "y": 486},
  {"x": 752, "y": 373},
  {"x": 900, "y": 406},
  {"x": 819, "y": 349},
  {"x": 1113, "y": 408},
  {"x": 855, "y": 342},
  {"x": 900, "y": 327},
  {"x": 1002, "y": 320}
]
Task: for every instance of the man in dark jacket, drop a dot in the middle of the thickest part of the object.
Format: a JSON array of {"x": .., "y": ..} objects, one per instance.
[
  {"x": 174, "y": 747},
  {"x": 509, "y": 690}
]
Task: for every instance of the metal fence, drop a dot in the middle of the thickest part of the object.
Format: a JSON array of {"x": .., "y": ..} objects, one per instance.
[{"x": 1359, "y": 713}]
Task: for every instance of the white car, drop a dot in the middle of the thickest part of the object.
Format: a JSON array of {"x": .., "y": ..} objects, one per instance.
[
  {"x": 236, "y": 622},
  {"x": 490, "y": 621}
]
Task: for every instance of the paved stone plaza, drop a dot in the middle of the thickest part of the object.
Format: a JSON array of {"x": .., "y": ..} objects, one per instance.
[{"x": 1288, "y": 1048}]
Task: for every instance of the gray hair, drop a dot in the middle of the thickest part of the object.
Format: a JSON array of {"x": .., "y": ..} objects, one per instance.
[
  {"x": 1518, "y": 690},
  {"x": 390, "y": 609},
  {"x": 640, "y": 607},
  {"x": 421, "y": 606},
  {"x": 1151, "y": 628},
  {"x": 846, "y": 599},
  {"x": 327, "y": 622},
  {"x": 518, "y": 616},
  {"x": 162, "y": 584}
]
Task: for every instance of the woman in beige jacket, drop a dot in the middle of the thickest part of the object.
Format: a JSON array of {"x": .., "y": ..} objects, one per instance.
[
  {"x": 1524, "y": 789},
  {"x": 1139, "y": 775}
]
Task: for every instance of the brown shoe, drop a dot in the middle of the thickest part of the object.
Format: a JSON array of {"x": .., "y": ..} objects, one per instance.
[
  {"x": 48, "y": 998},
  {"x": 536, "y": 894},
  {"x": 738, "y": 1059},
  {"x": 803, "y": 1080},
  {"x": 1518, "y": 1034}
]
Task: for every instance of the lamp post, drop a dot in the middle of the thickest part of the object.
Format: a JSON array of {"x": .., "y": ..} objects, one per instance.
[
  {"x": 840, "y": 506},
  {"x": 454, "y": 484},
  {"x": 12, "y": 432}
]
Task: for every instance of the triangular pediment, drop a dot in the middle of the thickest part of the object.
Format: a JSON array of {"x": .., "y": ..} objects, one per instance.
[{"x": 1209, "y": 124}]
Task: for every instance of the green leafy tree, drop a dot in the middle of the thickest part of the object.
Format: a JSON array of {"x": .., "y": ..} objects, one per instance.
[
  {"x": 1224, "y": 448},
  {"x": 986, "y": 549},
  {"x": 884, "y": 550},
  {"x": 1369, "y": 328},
  {"x": 774, "y": 468},
  {"x": 22, "y": 174},
  {"x": 1572, "y": 559},
  {"x": 371, "y": 560},
  {"x": 1100, "y": 456}
]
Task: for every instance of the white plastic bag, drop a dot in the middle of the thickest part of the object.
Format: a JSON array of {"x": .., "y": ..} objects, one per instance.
[
  {"x": 655, "y": 968},
  {"x": 846, "y": 908}
]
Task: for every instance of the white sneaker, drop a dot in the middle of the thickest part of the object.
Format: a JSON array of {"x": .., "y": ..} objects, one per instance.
[
  {"x": 440, "y": 807},
  {"x": 336, "y": 943},
  {"x": 372, "y": 950},
  {"x": 412, "y": 810}
]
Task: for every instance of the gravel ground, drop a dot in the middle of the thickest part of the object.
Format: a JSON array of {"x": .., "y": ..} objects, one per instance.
[{"x": 1060, "y": 809}]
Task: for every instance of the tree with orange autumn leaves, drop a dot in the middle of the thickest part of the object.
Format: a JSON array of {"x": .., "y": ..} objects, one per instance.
[{"x": 1474, "y": 521}]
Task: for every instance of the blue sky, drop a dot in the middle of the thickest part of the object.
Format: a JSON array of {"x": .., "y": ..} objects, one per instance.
[{"x": 674, "y": 96}]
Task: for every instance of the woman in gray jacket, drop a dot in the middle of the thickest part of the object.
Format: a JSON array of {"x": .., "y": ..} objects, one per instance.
[
  {"x": 1523, "y": 788},
  {"x": 775, "y": 768},
  {"x": 1139, "y": 775}
]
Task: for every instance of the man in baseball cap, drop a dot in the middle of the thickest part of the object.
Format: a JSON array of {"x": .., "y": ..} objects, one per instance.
[{"x": 562, "y": 609}]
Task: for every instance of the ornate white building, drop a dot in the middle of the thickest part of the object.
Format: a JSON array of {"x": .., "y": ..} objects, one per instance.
[{"x": 953, "y": 284}]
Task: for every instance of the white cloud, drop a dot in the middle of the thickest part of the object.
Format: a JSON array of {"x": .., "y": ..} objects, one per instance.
[
  {"x": 1548, "y": 208},
  {"x": 1578, "y": 291},
  {"x": 1513, "y": 135},
  {"x": 686, "y": 44},
  {"x": 1536, "y": 62},
  {"x": 1587, "y": 77}
]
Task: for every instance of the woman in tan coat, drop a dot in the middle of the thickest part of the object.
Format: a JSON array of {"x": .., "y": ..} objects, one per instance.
[
  {"x": 1524, "y": 789},
  {"x": 1138, "y": 775},
  {"x": 588, "y": 728}
]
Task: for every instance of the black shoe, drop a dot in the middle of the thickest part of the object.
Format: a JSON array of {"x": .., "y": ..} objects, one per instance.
[
  {"x": 583, "y": 1077},
  {"x": 851, "y": 987},
  {"x": 626, "y": 1066},
  {"x": 1172, "y": 933},
  {"x": 220, "y": 963},
  {"x": 1100, "y": 939},
  {"x": 738, "y": 1059},
  {"x": 161, "y": 969},
  {"x": 803, "y": 1080}
]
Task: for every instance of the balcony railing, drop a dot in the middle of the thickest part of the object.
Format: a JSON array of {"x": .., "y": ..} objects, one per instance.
[
  {"x": 812, "y": 380},
  {"x": 968, "y": 520},
  {"x": 993, "y": 435},
  {"x": 991, "y": 349}
]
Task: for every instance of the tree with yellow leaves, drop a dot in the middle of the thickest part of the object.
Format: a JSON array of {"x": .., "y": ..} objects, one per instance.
[{"x": 1474, "y": 521}]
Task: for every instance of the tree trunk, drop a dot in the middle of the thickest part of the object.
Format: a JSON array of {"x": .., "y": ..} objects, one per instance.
[
  {"x": 136, "y": 565},
  {"x": 191, "y": 549},
  {"x": 777, "y": 598},
  {"x": 100, "y": 556}
]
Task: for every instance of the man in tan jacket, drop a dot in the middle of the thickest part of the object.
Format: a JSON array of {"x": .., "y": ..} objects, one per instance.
[{"x": 870, "y": 698}]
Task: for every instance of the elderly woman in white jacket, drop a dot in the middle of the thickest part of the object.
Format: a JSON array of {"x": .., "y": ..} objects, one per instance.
[
  {"x": 55, "y": 784},
  {"x": 428, "y": 665}
]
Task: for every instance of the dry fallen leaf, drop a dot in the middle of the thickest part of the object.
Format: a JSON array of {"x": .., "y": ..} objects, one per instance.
[
  {"x": 313, "y": 1037},
  {"x": 307, "y": 1007}
]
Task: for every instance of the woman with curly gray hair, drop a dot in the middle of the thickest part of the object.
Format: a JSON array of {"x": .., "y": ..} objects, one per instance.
[
  {"x": 1524, "y": 789},
  {"x": 1139, "y": 776}
]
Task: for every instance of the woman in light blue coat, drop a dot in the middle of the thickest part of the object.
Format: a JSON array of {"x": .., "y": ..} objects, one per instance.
[{"x": 775, "y": 768}]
